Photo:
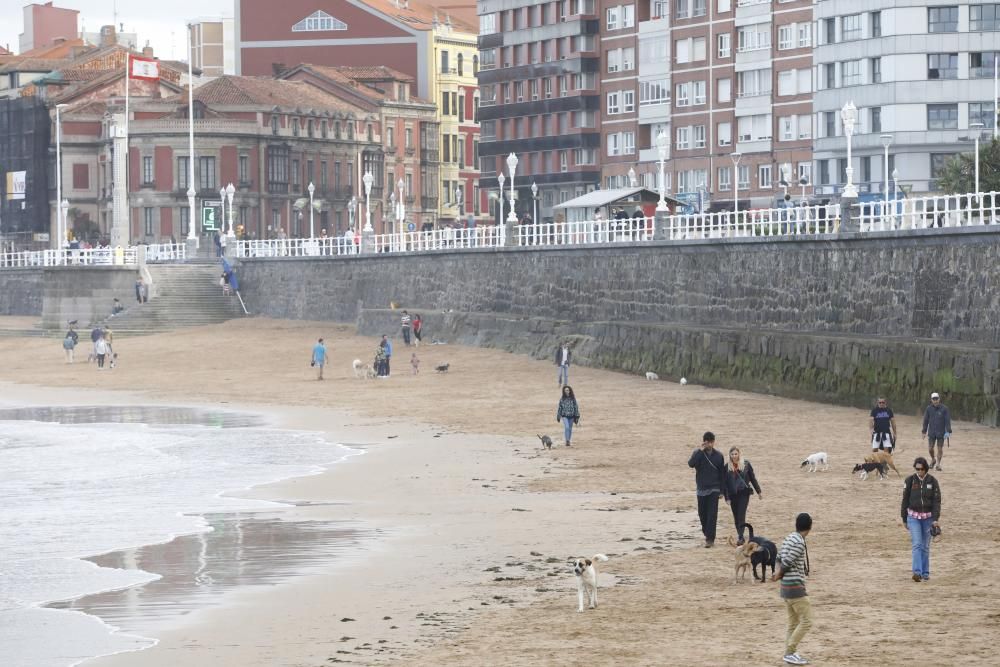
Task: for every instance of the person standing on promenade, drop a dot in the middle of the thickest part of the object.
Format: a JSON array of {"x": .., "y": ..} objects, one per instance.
[
  {"x": 406, "y": 322},
  {"x": 319, "y": 358},
  {"x": 563, "y": 358},
  {"x": 920, "y": 511},
  {"x": 882, "y": 426},
  {"x": 937, "y": 422},
  {"x": 709, "y": 477},
  {"x": 418, "y": 329},
  {"x": 387, "y": 344},
  {"x": 793, "y": 568},
  {"x": 69, "y": 344},
  {"x": 740, "y": 484},
  {"x": 568, "y": 413}
]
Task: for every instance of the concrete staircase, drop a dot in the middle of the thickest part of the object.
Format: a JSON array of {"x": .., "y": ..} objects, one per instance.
[{"x": 183, "y": 295}]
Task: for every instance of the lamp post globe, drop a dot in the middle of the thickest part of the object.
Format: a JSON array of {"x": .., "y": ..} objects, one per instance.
[
  {"x": 367, "y": 179},
  {"x": 230, "y": 192},
  {"x": 512, "y": 168},
  {"x": 849, "y": 117},
  {"x": 401, "y": 210},
  {"x": 311, "y": 190},
  {"x": 534, "y": 201}
]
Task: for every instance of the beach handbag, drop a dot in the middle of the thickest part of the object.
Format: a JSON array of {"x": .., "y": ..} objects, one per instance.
[{"x": 936, "y": 533}]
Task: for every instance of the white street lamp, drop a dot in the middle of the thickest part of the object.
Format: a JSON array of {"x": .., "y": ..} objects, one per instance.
[
  {"x": 59, "y": 221},
  {"x": 367, "y": 180},
  {"x": 633, "y": 181},
  {"x": 849, "y": 116},
  {"x": 230, "y": 191},
  {"x": 501, "y": 179},
  {"x": 458, "y": 202},
  {"x": 786, "y": 173},
  {"x": 803, "y": 181},
  {"x": 352, "y": 205},
  {"x": 222, "y": 199},
  {"x": 512, "y": 168},
  {"x": 191, "y": 221},
  {"x": 401, "y": 211},
  {"x": 63, "y": 210},
  {"x": 886, "y": 142},
  {"x": 735, "y": 157},
  {"x": 662, "y": 143},
  {"x": 978, "y": 129},
  {"x": 312, "y": 230},
  {"x": 393, "y": 206},
  {"x": 534, "y": 200}
]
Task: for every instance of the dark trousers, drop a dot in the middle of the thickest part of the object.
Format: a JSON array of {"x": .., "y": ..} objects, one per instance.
[
  {"x": 708, "y": 512},
  {"x": 406, "y": 335},
  {"x": 739, "y": 504}
]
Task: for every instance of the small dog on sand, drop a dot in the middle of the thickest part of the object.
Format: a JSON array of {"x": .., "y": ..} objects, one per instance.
[
  {"x": 813, "y": 461},
  {"x": 586, "y": 580},
  {"x": 766, "y": 556},
  {"x": 650, "y": 375},
  {"x": 865, "y": 468},
  {"x": 546, "y": 441},
  {"x": 684, "y": 381},
  {"x": 359, "y": 368},
  {"x": 883, "y": 457},
  {"x": 743, "y": 553},
  {"x": 443, "y": 368}
]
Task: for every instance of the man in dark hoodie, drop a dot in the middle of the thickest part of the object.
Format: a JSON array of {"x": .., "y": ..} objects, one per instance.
[
  {"x": 709, "y": 476},
  {"x": 937, "y": 427}
]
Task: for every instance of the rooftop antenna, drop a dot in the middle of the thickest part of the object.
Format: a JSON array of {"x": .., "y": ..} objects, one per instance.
[{"x": 114, "y": 11}]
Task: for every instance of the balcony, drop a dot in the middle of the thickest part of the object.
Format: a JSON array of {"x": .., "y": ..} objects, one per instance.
[
  {"x": 429, "y": 203},
  {"x": 429, "y": 155}
]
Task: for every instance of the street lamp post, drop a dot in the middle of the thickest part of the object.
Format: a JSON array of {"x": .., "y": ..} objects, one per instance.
[
  {"x": 222, "y": 199},
  {"x": 886, "y": 142},
  {"x": 312, "y": 230},
  {"x": 534, "y": 201},
  {"x": 662, "y": 142},
  {"x": 352, "y": 205},
  {"x": 230, "y": 191},
  {"x": 803, "y": 181},
  {"x": 367, "y": 180},
  {"x": 786, "y": 173},
  {"x": 512, "y": 168},
  {"x": 735, "y": 157},
  {"x": 849, "y": 116},
  {"x": 978, "y": 129},
  {"x": 501, "y": 179},
  {"x": 191, "y": 221},
  {"x": 392, "y": 205},
  {"x": 59, "y": 221},
  {"x": 458, "y": 203},
  {"x": 401, "y": 211},
  {"x": 62, "y": 212}
]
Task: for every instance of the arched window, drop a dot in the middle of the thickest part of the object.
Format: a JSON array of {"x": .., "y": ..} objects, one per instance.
[
  {"x": 459, "y": 59},
  {"x": 274, "y": 125},
  {"x": 350, "y": 131},
  {"x": 475, "y": 65}
]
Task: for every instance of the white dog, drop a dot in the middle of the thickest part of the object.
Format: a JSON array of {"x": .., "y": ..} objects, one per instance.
[
  {"x": 359, "y": 368},
  {"x": 684, "y": 381},
  {"x": 586, "y": 579},
  {"x": 815, "y": 460},
  {"x": 650, "y": 375}
]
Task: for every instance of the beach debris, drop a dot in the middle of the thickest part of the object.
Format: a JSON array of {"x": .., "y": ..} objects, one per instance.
[
  {"x": 518, "y": 509},
  {"x": 387, "y": 618},
  {"x": 346, "y": 620},
  {"x": 535, "y": 553}
]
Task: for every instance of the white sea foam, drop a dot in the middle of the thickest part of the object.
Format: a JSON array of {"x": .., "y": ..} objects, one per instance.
[{"x": 69, "y": 491}]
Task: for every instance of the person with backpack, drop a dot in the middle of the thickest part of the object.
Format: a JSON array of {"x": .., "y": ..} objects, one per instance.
[
  {"x": 740, "y": 484},
  {"x": 709, "y": 477},
  {"x": 69, "y": 344}
]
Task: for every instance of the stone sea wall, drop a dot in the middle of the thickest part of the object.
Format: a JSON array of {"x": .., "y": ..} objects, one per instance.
[
  {"x": 21, "y": 291},
  {"x": 838, "y": 320}
]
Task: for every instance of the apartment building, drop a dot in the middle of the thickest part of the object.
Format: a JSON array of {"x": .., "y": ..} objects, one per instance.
[
  {"x": 920, "y": 74},
  {"x": 539, "y": 64},
  {"x": 619, "y": 44},
  {"x": 213, "y": 46}
]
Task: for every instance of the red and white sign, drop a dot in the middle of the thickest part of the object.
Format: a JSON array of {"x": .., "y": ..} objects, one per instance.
[{"x": 144, "y": 68}]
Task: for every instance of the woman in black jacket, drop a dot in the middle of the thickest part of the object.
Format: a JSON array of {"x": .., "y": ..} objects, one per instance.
[
  {"x": 920, "y": 511},
  {"x": 740, "y": 484}
]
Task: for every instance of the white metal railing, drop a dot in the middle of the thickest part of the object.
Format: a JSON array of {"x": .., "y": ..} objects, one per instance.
[
  {"x": 487, "y": 236},
  {"x": 317, "y": 247},
  {"x": 628, "y": 230},
  {"x": 964, "y": 210},
  {"x": 791, "y": 221},
  {"x": 70, "y": 257},
  {"x": 166, "y": 252}
]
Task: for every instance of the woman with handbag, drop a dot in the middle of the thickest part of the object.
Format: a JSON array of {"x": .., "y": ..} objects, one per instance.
[
  {"x": 740, "y": 484},
  {"x": 920, "y": 511}
]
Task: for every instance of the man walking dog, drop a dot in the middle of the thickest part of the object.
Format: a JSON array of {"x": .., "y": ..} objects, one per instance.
[
  {"x": 709, "y": 476},
  {"x": 793, "y": 568}
]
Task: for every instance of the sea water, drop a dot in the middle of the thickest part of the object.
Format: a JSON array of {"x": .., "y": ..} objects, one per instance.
[{"x": 85, "y": 493}]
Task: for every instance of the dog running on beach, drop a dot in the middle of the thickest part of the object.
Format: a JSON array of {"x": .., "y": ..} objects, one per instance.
[
  {"x": 443, "y": 368},
  {"x": 586, "y": 580},
  {"x": 546, "y": 441},
  {"x": 884, "y": 458},
  {"x": 814, "y": 461},
  {"x": 865, "y": 468},
  {"x": 743, "y": 553},
  {"x": 650, "y": 375}
]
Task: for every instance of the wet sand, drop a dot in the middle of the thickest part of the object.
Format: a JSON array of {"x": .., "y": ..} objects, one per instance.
[{"x": 478, "y": 522}]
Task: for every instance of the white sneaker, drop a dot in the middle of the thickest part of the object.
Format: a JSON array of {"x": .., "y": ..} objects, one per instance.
[{"x": 795, "y": 659}]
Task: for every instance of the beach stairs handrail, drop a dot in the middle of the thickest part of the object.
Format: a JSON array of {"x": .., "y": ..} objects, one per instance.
[{"x": 187, "y": 295}]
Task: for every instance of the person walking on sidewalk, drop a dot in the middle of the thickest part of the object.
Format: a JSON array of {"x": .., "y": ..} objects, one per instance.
[
  {"x": 740, "y": 484},
  {"x": 564, "y": 356},
  {"x": 793, "y": 568},
  {"x": 406, "y": 323},
  {"x": 709, "y": 477},
  {"x": 568, "y": 412},
  {"x": 920, "y": 511},
  {"x": 937, "y": 423},
  {"x": 319, "y": 358}
]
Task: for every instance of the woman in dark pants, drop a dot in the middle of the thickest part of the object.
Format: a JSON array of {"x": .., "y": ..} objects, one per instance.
[{"x": 740, "y": 484}]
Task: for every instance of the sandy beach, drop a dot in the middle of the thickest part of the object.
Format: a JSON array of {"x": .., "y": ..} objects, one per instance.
[{"x": 477, "y": 523}]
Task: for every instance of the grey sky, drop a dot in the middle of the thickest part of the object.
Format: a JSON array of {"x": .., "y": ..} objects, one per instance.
[{"x": 161, "y": 22}]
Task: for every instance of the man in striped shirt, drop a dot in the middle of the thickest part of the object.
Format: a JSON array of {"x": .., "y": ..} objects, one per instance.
[{"x": 793, "y": 568}]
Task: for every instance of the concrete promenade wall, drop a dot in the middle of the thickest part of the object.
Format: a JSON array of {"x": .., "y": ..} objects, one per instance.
[
  {"x": 21, "y": 291},
  {"x": 62, "y": 293},
  {"x": 838, "y": 320}
]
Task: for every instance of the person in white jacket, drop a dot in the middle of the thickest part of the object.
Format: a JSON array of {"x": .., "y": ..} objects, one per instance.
[{"x": 101, "y": 348}]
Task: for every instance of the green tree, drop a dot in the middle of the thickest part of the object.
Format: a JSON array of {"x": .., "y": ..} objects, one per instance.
[{"x": 959, "y": 175}]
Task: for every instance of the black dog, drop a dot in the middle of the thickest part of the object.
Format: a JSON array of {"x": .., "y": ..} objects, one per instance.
[
  {"x": 865, "y": 468},
  {"x": 766, "y": 555}
]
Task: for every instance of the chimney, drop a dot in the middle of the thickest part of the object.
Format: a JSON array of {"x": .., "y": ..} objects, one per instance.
[
  {"x": 278, "y": 69},
  {"x": 147, "y": 50},
  {"x": 108, "y": 36}
]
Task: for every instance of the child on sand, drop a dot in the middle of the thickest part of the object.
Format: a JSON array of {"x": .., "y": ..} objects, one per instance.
[{"x": 415, "y": 364}]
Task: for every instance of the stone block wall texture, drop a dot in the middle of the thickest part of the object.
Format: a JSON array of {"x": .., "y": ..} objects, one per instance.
[
  {"x": 836, "y": 320},
  {"x": 21, "y": 292},
  {"x": 84, "y": 294}
]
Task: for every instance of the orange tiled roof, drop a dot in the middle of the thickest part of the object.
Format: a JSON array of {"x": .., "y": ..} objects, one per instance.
[
  {"x": 369, "y": 73},
  {"x": 420, "y": 14},
  {"x": 29, "y": 64},
  {"x": 261, "y": 91},
  {"x": 65, "y": 49}
]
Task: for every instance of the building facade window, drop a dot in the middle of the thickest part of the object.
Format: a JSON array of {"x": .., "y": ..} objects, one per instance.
[
  {"x": 942, "y": 116},
  {"x": 147, "y": 170},
  {"x": 876, "y": 23},
  {"x": 942, "y": 19},
  {"x": 147, "y": 220},
  {"x": 850, "y": 28},
  {"x": 982, "y": 64},
  {"x": 244, "y": 169},
  {"x": 207, "y": 176},
  {"x": 982, "y": 112},
  {"x": 942, "y": 65},
  {"x": 876, "y": 120},
  {"x": 984, "y": 18},
  {"x": 183, "y": 173},
  {"x": 876, "y": 68},
  {"x": 725, "y": 45}
]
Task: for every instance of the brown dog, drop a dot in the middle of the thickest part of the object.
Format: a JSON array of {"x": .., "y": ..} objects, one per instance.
[
  {"x": 743, "y": 554},
  {"x": 882, "y": 457}
]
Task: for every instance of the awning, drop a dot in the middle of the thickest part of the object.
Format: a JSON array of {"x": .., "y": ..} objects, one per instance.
[{"x": 599, "y": 198}]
